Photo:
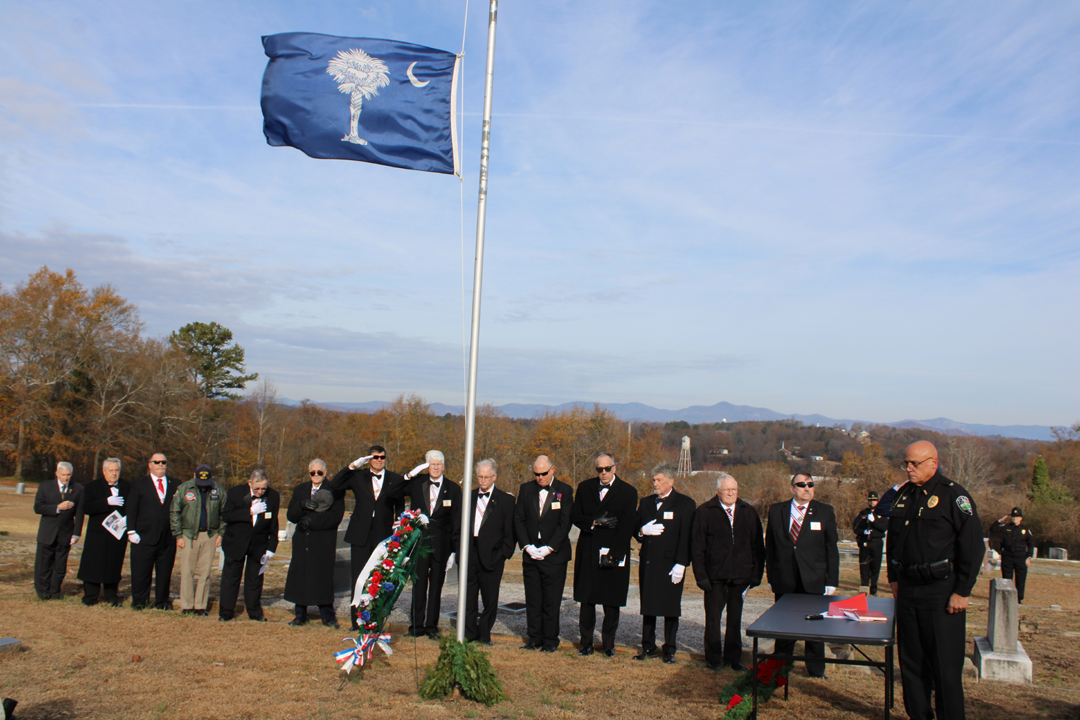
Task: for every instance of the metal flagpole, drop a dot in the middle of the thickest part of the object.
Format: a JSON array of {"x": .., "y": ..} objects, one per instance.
[{"x": 474, "y": 342}]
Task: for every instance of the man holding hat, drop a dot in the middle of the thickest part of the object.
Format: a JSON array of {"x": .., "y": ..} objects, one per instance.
[
  {"x": 1017, "y": 547},
  {"x": 197, "y": 526},
  {"x": 870, "y": 537}
]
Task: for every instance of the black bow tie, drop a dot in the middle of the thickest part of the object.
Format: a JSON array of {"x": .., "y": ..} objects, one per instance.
[
  {"x": 606, "y": 487},
  {"x": 435, "y": 483},
  {"x": 485, "y": 494}
]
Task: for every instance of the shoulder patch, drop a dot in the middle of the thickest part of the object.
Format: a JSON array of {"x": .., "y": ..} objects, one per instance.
[
  {"x": 964, "y": 504},
  {"x": 190, "y": 496}
]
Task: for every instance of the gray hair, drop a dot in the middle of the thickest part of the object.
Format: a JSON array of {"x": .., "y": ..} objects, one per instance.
[
  {"x": 666, "y": 469},
  {"x": 490, "y": 463},
  {"x": 111, "y": 461},
  {"x": 259, "y": 475},
  {"x": 434, "y": 456},
  {"x": 65, "y": 466},
  {"x": 159, "y": 453},
  {"x": 317, "y": 461},
  {"x": 614, "y": 460},
  {"x": 722, "y": 477}
]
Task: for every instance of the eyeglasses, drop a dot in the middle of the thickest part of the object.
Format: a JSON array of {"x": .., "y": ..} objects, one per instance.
[
  {"x": 316, "y": 473},
  {"x": 158, "y": 462},
  {"x": 804, "y": 484},
  {"x": 608, "y": 468},
  {"x": 378, "y": 457},
  {"x": 731, "y": 490},
  {"x": 912, "y": 464},
  {"x": 541, "y": 474}
]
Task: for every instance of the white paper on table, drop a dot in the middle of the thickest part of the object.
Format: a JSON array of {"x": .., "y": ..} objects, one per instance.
[{"x": 115, "y": 523}]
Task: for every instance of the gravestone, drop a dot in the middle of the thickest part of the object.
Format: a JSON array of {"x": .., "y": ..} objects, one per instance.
[
  {"x": 999, "y": 655},
  {"x": 9, "y": 645},
  {"x": 20, "y": 488},
  {"x": 1059, "y": 554}
]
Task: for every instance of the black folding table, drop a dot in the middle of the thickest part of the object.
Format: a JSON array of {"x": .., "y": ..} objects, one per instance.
[{"x": 786, "y": 620}]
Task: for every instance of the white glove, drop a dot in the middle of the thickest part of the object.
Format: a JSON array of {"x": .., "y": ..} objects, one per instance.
[
  {"x": 258, "y": 507},
  {"x": 115, "y": 501},
  {"x": 450, "y": 561},
  {"x": 532, "y": 551},
  {"x": 74, "y": 539},
  {"x": 829, "y": 589},
  {"x": 544, "y": 551},
  {"x": 134, "y": 538},
  {"x": 677, "y": 573},
  {"x": 870, "y": 518},
  {"x": 651, "y": 528},
  {"x": 416, "y": 470},
  {"x": 266, "y": 557},
  {"x": 359, "y": 462}
]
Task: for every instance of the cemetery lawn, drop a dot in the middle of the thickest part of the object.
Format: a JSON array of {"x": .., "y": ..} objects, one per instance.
[{"x": 104, "y": 662}]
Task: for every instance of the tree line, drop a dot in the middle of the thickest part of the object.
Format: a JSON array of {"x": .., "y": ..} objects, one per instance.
[{"x": 81, "y": 382}]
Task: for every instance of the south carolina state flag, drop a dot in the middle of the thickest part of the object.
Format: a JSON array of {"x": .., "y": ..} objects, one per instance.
[{"x": 377, "y": 101}]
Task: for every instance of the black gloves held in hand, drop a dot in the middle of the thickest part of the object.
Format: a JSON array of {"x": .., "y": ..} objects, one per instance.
[{"x": 604, "y": 521}]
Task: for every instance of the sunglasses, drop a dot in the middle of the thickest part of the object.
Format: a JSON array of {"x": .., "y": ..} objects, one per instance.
[
  {"x": 157, "y": 462},
  {"x": 804, "y": 484},
  {"x": 607, "y": 468},
  {"x": 316, "y": 473},
  {"x": 541, "y": 474},
  {"x": 378, "y": 457}
]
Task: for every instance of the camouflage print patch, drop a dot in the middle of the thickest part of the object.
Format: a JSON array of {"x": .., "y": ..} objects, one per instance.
[{"x": 964, "y": 504}]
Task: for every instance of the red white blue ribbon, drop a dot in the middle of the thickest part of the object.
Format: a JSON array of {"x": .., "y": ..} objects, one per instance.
[{"x": 362, "y": 650}]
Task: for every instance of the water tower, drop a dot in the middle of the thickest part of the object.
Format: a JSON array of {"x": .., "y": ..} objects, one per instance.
[{"x": 684, "y": 457}]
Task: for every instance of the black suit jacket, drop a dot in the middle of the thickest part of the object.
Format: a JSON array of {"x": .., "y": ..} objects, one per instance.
[
  {"x": 371, "y": 519},
  {"x": 495, "y": 541},
  {"x": 148, "y": 516},
  {"x": 444, "y": 522},
  {"x": 552, "y": 527},
  {"x": 722, "y": 553},
  {"x": 815, "y": 553},
  {"x": 58, "y": 526},
  {"x": 241, "y": 535}
]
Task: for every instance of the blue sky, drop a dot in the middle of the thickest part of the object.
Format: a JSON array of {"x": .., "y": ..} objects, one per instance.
[{"x": 864, "y": 210}]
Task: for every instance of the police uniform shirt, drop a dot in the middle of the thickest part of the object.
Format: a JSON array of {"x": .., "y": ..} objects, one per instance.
[
  {"x": 1016, "y": 540},
  {"x": 937, "y": 521}
]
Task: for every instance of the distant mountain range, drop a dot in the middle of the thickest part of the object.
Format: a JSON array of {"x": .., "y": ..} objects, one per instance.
[{"x": 725, "y": 411}]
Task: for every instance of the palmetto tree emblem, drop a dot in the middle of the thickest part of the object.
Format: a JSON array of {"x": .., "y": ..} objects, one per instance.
[{"x": 359, "y": 76}]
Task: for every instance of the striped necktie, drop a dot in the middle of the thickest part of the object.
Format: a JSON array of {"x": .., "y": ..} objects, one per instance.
[{"x": 796, "y": 522}]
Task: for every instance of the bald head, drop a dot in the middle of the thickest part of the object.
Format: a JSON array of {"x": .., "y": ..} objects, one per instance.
[
  {"x": 542, "y": 470},
  {"x": 920, "y": 462}
]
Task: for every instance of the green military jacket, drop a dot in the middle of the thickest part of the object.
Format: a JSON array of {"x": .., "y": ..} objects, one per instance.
[{"x": 187, "y": 505}]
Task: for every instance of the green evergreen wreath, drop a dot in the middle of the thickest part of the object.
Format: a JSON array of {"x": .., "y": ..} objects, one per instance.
[
  {"x": 464, "y": 665},
  {"x": 738, "y": 697}
]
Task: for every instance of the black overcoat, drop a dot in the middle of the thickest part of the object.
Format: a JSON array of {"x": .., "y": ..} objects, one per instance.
[
  {"x": 721, "y": 552},
  {"x": 593, "y": 584},
  {"x": 660, "y": 553},
  {"x": 310, "y": 580},
  {"x": 242, "y": 536},
  {"x": 102, "y": 555}
]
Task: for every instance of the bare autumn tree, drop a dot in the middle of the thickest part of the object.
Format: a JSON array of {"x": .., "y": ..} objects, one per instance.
[
  {"x": 50, "y": 328},
  {"x": 968, "y": 462}
]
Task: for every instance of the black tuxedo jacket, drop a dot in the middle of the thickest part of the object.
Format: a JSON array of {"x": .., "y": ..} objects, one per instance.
[
  {"x": 242, "y": 537},
  {"x": 444, "y": 521},
  {"x": 550, "y": 527},
  {"x": 815, "y": 553},
  {"x": 495, "y": 541},
  {"x": 58, "y": 526},
  {"x": 371, "y": 519},
  {"x": 148, "y": 516}
]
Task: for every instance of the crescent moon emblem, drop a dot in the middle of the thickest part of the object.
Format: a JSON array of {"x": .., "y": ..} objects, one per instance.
[{"x": 412, "y": 78}]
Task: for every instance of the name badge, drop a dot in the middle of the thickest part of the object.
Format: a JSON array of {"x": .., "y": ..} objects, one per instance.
[
  {"x": 268, "y": 515},
  {"x": 555, "y": 505},
  {"x": 448, "y": 503},
  {"x": 669, "y": 515},
  {"x": 815, "y": 526}
]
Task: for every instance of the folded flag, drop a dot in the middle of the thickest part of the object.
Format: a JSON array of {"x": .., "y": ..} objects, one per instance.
[{"x": 377, "y": 101}]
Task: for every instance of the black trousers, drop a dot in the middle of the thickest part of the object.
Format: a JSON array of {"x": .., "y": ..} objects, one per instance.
[
  {"x": 815, "y": 650},
  {"x": 248, "y": 566},
  {"x": 92, "y": 591},
  {"x": 587, "y": 624},
  {"x": 427, "y": 594},
  {"x": 50, "y": 566},
  {"x": 544, "y": 583},
  {"x": 721, "y": 647},
  {"x": 1015, "y": 568},
  {"x": 930, "y": 645},
  {"x": 870, "y": 563},
  {"x": 326, "y": 613},
  {"x": 482, "y": 584},
  {"x": 152, "y": 560},
  {"x": 648, "y": 633}
]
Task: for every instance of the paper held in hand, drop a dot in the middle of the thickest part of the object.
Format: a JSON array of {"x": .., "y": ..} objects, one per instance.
[{"x": 116, "y": 524}]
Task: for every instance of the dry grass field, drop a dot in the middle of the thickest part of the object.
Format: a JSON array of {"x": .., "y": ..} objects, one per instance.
[{"x": 105, "y": 662}]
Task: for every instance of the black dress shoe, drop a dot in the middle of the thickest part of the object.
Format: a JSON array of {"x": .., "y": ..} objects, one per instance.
[
  {"x": 609, "y": 653},
  {"x": 822, "y": 676},
  {"x": 738, "y": 667},
  {"x": 549, "y": 648},
  {"x": 189, "y": 611},
  {"x": 714, "y": 666},
  {"x": 202, "y": 613},
  {"x": 259, "y": 619},
  {"x": 223, "y": 619},
  {"x": 117, "y": 603},
  {"x": 588, "y": 650},
  {"x": 669, "y": 658},
  {"x": 647, "y": 654},
  {"x": 410, "y": 633},
  {"x": 331, "y": 624},
  {"x": 529, "y": 646},
  {"x": 433, "y": 634},
  {"x": 297, "y": 622}
]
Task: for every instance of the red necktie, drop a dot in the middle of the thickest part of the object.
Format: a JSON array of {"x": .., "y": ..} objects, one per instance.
[
  {"x": 731, "y": 515},
  {"x": 796, "y": 524},
  {"x": 160, "y": 486}
]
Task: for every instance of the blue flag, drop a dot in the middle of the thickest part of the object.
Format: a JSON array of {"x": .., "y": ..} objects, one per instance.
[{"x": 377, "y": 101}]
